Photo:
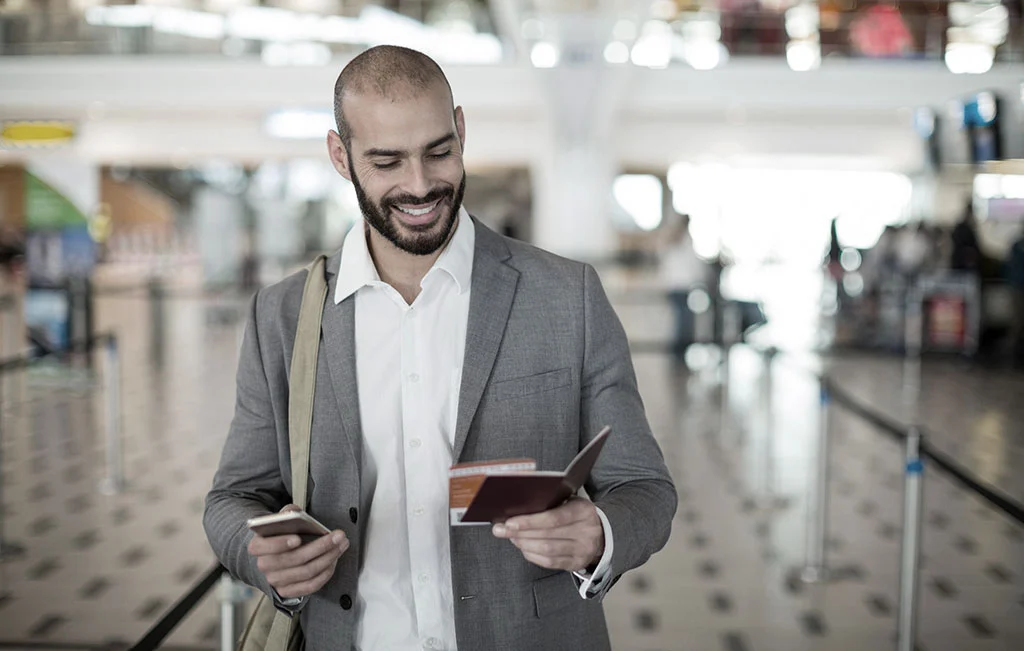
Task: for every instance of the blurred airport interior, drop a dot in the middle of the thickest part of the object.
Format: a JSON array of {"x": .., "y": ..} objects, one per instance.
[{"x": 808, "y": 214}]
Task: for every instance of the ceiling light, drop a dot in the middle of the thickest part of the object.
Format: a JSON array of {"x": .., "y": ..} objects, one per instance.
[{"x": 544, "y": 55}]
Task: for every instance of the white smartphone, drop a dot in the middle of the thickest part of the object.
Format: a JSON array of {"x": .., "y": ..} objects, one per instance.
[{"x": 289, "y": 522}]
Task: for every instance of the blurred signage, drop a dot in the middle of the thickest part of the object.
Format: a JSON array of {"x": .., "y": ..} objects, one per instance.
[
  {"x": 23, "y": 133},
  {"x": 880, "y": 31},
  {"x": 1005, "y": 209},
  {"x": 946, "y": 321}
]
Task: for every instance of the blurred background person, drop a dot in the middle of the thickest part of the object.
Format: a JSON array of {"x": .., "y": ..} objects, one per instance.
[
  {"x": 914, "y": 253},
  {"x": 682, "y": 271},
  {"x": 1015, "y": 277},
  {"x": 966, "y": 252}
]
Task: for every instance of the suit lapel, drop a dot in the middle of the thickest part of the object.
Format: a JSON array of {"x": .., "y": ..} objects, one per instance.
[
  {"x": 494, "y": 287},
  {"x": 339, "y": 331}
]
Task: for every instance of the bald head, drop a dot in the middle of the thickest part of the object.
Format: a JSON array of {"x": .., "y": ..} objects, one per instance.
[{"x": 388, "y": 71}]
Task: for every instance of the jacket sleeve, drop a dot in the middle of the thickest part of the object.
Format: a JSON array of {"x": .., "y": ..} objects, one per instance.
[
  {"x": 249, "y": 481},
  {"x": 630, "y": 481}
]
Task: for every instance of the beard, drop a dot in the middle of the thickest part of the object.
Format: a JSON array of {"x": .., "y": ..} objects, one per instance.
[{"x": 423, "y": 239}]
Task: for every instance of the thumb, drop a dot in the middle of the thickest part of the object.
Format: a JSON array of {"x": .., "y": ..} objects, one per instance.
[{"x": 290, "y": 507}]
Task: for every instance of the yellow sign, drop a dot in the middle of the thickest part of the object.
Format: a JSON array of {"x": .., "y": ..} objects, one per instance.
[{"x": 36, "y": 134}]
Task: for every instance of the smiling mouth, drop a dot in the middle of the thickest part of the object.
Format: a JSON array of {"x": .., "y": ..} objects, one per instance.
[{"x": 418, "y": 211}]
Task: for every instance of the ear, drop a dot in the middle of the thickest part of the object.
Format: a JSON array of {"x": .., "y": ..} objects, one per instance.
[
  {"x": 339, "y": 154},
  {"x": 460, "y": 127}
]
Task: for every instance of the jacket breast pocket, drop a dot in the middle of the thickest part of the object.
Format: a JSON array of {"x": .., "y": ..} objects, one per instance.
[
  {"x": 530, "y": 384},
  {"x": 554, "y": 592}
]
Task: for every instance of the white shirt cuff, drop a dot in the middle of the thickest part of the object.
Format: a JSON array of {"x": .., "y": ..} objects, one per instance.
[{"x": 590, "y": 584}]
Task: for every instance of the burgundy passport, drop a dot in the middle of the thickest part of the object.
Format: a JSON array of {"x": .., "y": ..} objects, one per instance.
[{"x": 484, "y": 493}]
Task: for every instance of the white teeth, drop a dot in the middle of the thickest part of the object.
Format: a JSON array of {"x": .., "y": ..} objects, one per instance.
[{"x": 416, "y": 212}]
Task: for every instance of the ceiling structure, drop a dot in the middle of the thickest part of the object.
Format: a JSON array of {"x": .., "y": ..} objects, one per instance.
[{"x": 670, "y": 79}]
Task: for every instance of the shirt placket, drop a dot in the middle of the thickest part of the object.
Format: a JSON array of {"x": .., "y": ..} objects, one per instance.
[{"x": 417, "y": 484}]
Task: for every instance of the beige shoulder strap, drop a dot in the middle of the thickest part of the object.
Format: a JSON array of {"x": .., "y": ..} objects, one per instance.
[
  {"x": 302, "y": 377},
  {"x": 301, "y": 385}
]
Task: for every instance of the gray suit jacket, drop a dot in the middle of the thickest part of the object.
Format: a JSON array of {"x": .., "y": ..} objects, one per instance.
[{"x": 546, "y": 367}]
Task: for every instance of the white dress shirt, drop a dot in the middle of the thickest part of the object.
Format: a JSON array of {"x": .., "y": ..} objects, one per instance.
[{"x": 409, "y": 370}]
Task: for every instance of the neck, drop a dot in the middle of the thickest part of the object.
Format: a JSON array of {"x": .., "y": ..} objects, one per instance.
[{"x": 401, "y": 269}]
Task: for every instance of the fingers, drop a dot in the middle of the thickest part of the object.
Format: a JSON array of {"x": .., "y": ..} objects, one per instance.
[
  {"x": 571, "y": 532},
  {"x": 290, "y": 507},
  {"x": 284, "y": 546},
  {"x": 306, "y": 587},
  {"x": 576, "y": 510},
  {"x": 296, "y": 578},
  {"x": 283, "y": 556},
  {"x": 568, "y": 537},
  {"x": 567, "y": 563},
  {"x": 559, "y": 554}
]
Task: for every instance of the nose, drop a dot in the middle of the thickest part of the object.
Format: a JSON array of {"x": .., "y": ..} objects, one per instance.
[{"x": 417, "y": 182}]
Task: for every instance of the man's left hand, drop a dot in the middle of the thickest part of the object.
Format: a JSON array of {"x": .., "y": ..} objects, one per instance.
[{"x": 568, "y": 537}]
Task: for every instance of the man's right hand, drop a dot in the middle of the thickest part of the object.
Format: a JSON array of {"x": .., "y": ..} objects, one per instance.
[{"x": 294, "y": 569}]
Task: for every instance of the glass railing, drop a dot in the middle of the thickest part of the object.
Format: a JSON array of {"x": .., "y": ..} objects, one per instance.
[
  {"x": 969, "y": 36},
  {"x": 279, "y": 36}
]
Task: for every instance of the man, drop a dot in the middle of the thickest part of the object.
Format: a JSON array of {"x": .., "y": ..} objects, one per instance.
[
  {"x": 442, "y": 342},
  {"x": 1015, "y": 277},
  {"x": 682, "y": 271}
]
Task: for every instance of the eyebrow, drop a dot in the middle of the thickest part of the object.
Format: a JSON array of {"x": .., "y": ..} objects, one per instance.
[{"x": 396, "y": 153}]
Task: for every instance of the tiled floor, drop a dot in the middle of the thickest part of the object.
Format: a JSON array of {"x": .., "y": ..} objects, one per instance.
[{"x": 99, "y": 568}]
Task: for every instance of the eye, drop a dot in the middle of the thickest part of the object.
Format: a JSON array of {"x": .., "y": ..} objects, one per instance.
[
  {"x": 439, "y": 156},
  {"x": 386, "y": 166}
]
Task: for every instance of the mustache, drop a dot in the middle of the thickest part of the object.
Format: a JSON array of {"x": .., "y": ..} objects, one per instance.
[{"x": 411, "y": 199}]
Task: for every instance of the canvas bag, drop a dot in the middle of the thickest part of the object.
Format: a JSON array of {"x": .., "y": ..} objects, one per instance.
[{"x": 269, "y": 629}]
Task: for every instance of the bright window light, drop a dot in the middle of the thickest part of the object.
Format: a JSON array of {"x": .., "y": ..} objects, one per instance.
[
  {"x": 704, "y": 55},
  {"x": 121, "y": 15},
  {"x": 969, "y": 58},
  {"x": 802, "y": 21},
  {"x": 194, "y": 24},
  {"x": 616, "y": 52},
  {"x": 991, "y": 186},
  {"x": 803, "y": 55},
  {"x": 299, "y": 124},
  {"x": 544, "y": 55},
  {"x": 784, "y": 215},
  {"x": 654, "y": 47},
  {"x": 640, "y": 195}
]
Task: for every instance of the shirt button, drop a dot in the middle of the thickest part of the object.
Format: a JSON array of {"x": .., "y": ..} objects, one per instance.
[
  {"x": 419, "y": 510},
  {"x": 414, "y": 377},
  {"x": 424, "y": 578},
  {"x": 432, "y": 643},
  {"x": 415, "y": 443}
]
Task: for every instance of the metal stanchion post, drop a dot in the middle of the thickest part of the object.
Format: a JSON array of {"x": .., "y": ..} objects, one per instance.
[
  {"x": 910, "y": 553},
  {"x": 769, "y": 500},
  {"x": 913, "y": 335},
  {"x": 8, "y": 549},
  {"x": 157, "y": 326},
  {"x": 815, "y": 569},
  {"x": 233, "y": 595},
  {"x": 113, "y": 483}
]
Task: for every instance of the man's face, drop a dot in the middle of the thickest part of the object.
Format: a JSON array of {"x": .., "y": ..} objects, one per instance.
[{"x": 405, "y": 161}]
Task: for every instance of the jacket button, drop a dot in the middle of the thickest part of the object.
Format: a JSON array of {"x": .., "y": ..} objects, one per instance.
[
  {"x": 353, "y": 514},
  {"x": 345, "y": 601}
]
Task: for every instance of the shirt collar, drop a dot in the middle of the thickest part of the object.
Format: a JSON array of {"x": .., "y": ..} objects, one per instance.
[{"x": 357, "y": 270}]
